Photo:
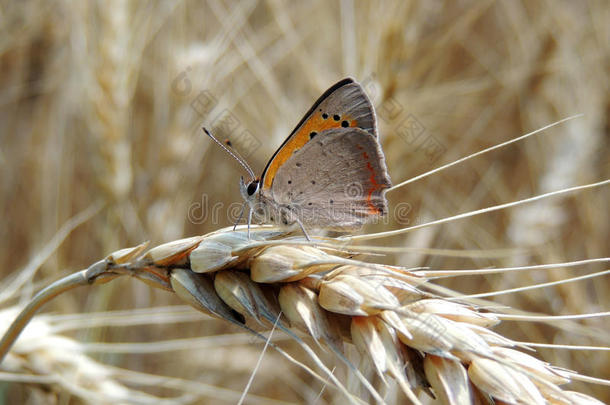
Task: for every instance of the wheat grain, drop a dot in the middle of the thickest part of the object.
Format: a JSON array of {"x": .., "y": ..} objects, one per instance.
[{"x": 424, "y": 341}]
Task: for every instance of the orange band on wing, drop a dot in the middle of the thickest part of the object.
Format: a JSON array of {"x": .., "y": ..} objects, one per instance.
[
  {"x": 374, "y": 185},
  {"x": 317, "y": 123}
]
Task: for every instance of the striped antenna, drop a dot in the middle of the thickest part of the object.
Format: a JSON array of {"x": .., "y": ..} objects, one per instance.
[{"x": 232, "y": 152}]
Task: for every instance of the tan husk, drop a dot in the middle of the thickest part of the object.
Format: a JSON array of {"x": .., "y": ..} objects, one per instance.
[{"x": 427, "y": 345}]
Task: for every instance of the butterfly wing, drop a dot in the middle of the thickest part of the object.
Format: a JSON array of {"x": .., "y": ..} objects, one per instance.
[
  {"x": 336, "y": 181},
  {"x": 344, "y": 105}
]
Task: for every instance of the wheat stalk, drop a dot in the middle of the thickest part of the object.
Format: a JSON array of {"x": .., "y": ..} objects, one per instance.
[{"x": 404, "y": 328}]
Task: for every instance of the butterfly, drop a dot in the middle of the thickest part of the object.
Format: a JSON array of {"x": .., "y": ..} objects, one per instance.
[{"x": 329, "y": 173}]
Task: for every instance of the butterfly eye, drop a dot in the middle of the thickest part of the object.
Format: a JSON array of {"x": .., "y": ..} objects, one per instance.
[{"x": 252, "y": 187}]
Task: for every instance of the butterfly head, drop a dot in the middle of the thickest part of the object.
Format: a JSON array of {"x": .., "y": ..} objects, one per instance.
[{"x": 248, "y": 191}]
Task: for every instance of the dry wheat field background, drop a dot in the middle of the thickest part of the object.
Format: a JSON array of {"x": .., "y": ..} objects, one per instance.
[{"x": 101, "y": 148}]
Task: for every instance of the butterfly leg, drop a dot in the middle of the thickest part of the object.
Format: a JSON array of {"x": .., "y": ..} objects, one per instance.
[
  {"x": 249, "y": 221},
  {"x": 303, "y": 229},
  {"x": 241, "y": 214}
]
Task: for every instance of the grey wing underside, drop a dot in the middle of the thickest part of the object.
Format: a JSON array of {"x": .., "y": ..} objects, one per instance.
[{"x": 335, "y": 181}]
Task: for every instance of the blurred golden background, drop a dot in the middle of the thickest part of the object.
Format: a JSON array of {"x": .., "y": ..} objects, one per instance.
[{"x": 103, "y": 103}]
